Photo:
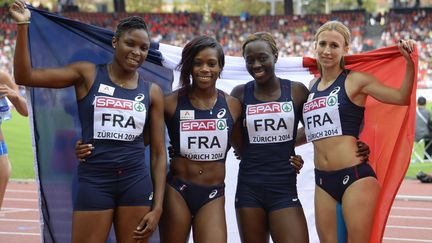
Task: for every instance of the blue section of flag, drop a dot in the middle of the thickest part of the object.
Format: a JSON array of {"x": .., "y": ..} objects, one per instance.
[{"x": 56, "y": 41}]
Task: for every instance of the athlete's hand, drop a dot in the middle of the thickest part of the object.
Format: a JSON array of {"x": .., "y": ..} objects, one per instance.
[
  {"x": 297, "y": 162},
  {"x": 236, "y": 154},
  {"x": 147, "y": 226},
  {"x": 170, "y": 151},
  {"x": 82, "y": 151},
  {"x": 6, "y": 91},
  {"x": 19, "y": 11},
  {"x": 406, "y": 47},
  {"x": 363, "y": 151}
]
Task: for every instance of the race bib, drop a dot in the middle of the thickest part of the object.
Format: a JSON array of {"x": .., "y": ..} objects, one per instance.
[
  {"x": 118, "y": 119},
  {"x": 204, "y": 139},
  {"x": 321, "y": 117},
  {"x": 271, "y": 122}
]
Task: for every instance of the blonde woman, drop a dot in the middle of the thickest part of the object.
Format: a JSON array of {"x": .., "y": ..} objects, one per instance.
[{"x": 333, "y": 115}]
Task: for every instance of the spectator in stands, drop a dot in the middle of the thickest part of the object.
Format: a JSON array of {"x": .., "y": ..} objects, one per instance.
[
  {"x": 10, "y": 90},
  {"x": 340, "y": 175},
  {"x": 114, "y": 184},
  {"x": 423, "y": 129}
]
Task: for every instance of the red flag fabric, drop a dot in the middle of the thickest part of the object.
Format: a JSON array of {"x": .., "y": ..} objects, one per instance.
[{"x": 388, "y": 129}]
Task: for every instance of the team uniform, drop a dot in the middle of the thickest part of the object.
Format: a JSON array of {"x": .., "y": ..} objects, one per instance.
[
  {"x": 331, "y": 113},
  {"x": 113, "y": 120},
  {"x": 266, "y": 178},
  {"x": 199, "y": 135}
]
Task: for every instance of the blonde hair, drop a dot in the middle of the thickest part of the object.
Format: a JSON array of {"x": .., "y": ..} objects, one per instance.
[
  {"x": 338, "y": 27},
  {"x": 264, "y": 36}
]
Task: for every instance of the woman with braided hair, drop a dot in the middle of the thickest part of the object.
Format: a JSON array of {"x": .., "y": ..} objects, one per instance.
[{"x": 116, "y": 107}]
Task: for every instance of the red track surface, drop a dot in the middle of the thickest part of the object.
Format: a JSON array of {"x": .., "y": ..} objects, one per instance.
[{"x": 409, "y": 221}]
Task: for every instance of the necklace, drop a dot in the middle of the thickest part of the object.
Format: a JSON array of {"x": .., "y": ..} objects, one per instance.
[
  {"x": 202, "y": 105},
  {"x": 122, "y": 84}
]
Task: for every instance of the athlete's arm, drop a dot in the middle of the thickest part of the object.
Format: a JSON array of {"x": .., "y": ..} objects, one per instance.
[
  {"x": 369, "y": 85},
  {"x": 236, "y": 138},
  {"x": 157, "y": 162},
  {"x": 9, "y": 89}
]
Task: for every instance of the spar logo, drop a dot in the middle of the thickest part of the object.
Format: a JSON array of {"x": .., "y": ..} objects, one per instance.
[
  {"x": 140, "y": 107},
  {"x": 317, "y": 103},
  {"x": 287, "y": 107},
  {"x": 113, "y": 103},
  {"x": 119, "y": 104},
  {"x": 332, "y": 100},
  {"x": 272, "y": 107},
  {"x": 221, "y": 124},
  {"x": 203, "y": 125},
  {"x": 198, "y": 125}
]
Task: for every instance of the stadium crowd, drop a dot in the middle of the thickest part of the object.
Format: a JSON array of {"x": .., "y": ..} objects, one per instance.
[{"x": 294, "y": 34}]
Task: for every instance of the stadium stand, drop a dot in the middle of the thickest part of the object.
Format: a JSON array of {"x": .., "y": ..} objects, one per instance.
[{"x": 294, "y": 34}]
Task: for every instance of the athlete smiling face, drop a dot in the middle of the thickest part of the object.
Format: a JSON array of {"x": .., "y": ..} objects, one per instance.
[
  {"x": 260, "y": 60},
  {"x": 206, "y": 68}
]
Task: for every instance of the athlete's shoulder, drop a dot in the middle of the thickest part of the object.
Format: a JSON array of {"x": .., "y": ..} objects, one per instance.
[{"x": 238, "y": 92}]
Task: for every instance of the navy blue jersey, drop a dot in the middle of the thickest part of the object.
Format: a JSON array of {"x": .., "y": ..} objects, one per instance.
[
  {"x": 269, "y": 132},
  {"x": 330, "y": 112},
  {"x": 200, "y": 135},
  {"x": 113, "y": 120}
]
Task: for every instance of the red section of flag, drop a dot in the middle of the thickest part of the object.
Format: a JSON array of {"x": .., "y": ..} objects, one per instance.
[{"x": 388, "y": 130}]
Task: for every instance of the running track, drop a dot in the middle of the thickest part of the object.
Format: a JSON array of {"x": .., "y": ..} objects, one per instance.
[{"x": 410, "y": 218}]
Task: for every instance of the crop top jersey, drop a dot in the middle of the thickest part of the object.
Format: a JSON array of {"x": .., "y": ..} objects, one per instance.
[
  {"x": 330, "y": 112},
  {"x": 113, "y": 119},
  {"x": 200, "y": 135}
]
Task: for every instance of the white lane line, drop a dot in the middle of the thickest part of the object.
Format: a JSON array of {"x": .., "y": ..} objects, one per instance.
[
  {"x": 410, "y": 217},
  {"x": 19, "y": 233},
  {"x": 413, "y": 198},
  {"x": 17, "y": 210},
  {"x": 411, "y": 208},
  {"x": 19, "y": 199},
  {"x": 408, "y": 227},
  {"x": 406, "y": 239},
  {"x": 19, "y": 220},
  {"x": 22, "y": 191}
]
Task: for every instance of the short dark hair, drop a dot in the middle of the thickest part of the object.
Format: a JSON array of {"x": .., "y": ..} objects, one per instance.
[
  {"x": 130, "y": 23},
  {"x": 189, "y": 52},
  {"x": 262, "y": 36},
  {"x": 421, "y": 100}
]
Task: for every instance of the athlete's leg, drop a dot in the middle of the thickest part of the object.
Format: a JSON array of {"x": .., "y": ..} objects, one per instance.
[
  {"x": 325, "y": 216},
  {"x": 253, "y": 225},
  {"x": 5, "y": 171},
  {"x": 91, "y": 226},
  {"x": 358, "y": 205},
  {"x": 209, "y": 224},
  {"x": 176, "y": 219},
  {"x": 288, "y": 225}
]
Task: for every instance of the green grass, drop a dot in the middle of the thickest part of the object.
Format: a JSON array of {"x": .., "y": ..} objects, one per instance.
[
  {"x": 414, "y": 168},
  {"x": 17, "y": 136}
]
